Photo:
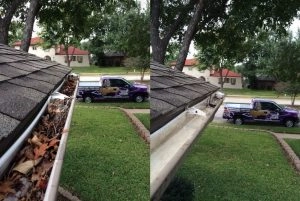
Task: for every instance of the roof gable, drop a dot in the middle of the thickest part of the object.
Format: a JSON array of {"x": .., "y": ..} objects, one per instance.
[
  {"x": 188, "y": 62},
  {"x": 172, "y": 91},
  {"x": 71, "y": 51},
  {"x": 26, "y": 81}
]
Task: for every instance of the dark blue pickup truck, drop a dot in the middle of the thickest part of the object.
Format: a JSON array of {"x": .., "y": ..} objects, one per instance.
[
  {"x": 261, "y": 110},
  {"x": 112, "y": 87}
]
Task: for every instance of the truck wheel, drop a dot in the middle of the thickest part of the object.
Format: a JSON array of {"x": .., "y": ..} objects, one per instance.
[
  {"x": 289, "y": 123},
  {"x": 238, "y": 121},
  {"x": 88, "y": 99},
  {"x": 139, "y": 98}
]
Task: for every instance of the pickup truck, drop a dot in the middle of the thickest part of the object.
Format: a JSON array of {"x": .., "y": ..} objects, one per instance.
[
  {"x": 261, "y": 110},
  {"x": 112, "y": 87}
]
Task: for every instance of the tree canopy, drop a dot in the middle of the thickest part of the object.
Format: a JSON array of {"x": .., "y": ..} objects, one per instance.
[{"x": 204, "y": 21}]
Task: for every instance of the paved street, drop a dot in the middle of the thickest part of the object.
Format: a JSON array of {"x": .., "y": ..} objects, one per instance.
[{"x": 218, "y": 116}]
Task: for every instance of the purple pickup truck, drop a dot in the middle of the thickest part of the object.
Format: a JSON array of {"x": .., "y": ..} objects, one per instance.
[
  {"x": 112, "y": 87},
  {"x": 261, "y": 110}
]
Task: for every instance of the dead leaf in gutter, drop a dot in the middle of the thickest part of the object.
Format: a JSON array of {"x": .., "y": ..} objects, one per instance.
[
  {"x": 25, "y": 167},
  {"x": 36, "y": 141},
  {"x": 6, "y": 187},
  {"x": 40, "y": 151}
]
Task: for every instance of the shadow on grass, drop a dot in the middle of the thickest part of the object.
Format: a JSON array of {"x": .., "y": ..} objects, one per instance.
[{"x": 180, "y": 189}]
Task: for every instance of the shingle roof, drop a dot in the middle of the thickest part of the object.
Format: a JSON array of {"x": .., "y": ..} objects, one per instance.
[
  {"x": 71, "y": 51},
  {"x": 188, "y": 62},
  {"x": 172, "y": 91},
  {"x": 33, "y": 41},
  {"x": 26, "y": 81},
  {"x": 225, "y": 72}
]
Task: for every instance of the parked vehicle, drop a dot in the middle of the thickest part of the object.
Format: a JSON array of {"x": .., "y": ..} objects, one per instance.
[
  {"x": 261, "y": 110},
  {"x": 112, "y": 87}
]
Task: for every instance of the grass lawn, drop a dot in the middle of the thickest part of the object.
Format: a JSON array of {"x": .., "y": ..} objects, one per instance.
[
  {"x": 122, "y": 104},
  {"x": 295, "y": 145},
  {"x": 227, "y": 164},
  {"x": 105, "y": 157},
  {"x": 251, "y": 92},
  {"x": 262, "y": 126},
  {"x": 108, "y": 70},
  {"x": 144, "y": 118}
]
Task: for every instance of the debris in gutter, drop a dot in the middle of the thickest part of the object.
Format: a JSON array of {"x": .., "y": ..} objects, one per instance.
[
  {"x": 195, "y": 112},
  {"x": 27, "y": 179}
]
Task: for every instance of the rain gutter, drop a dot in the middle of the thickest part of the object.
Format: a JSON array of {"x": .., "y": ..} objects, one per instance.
[
  {"x": 53, "y": 183},
  {"x": 10, "y": 154},
  {"x": 170, "y": 144}
]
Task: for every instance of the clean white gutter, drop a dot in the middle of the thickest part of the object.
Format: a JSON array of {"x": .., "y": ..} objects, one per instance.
[
  {"x": 170, "y": 144},
  {"x": 10, "y": 154},
  {"x": 53, "y": 183}
]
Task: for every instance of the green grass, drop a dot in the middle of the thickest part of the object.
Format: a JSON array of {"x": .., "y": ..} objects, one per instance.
[
  {"x": 231, "y": 165},
  {"x": 106, "y": 70},
  {"x": 251, "y": 92},
  {"x": 276, "y": 128},
  {"x": 295, "y": 145},
  {"x": 144, "y": 118},
  {"x": 105, "y": 157},
  {"x": 122, "y": 104}
]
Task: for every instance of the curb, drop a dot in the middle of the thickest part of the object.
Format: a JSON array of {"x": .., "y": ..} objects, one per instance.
[
  {"x": 141, "y": 129},
  {"x": 290, "y": 154}
]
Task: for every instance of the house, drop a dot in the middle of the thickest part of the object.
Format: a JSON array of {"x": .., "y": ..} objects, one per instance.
[
  {"x": 78, "y": 57},
  {"x": 113, "y": 59},
  {"x": 233, "y": 80},
  {"x": 181, "y": 108}
]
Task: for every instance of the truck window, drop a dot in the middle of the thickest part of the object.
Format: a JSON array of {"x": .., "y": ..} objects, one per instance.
[
  {"x": 118, "y": 83},
  {"x": 269, "y": 106}
]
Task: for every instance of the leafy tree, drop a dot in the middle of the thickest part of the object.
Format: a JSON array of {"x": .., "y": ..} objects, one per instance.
[
  {"x": 8, "y": 9},
  {"x": 66, "y": 26},
  {"x": 202, "y": 17},
  {"x": 15, "y": 32}
]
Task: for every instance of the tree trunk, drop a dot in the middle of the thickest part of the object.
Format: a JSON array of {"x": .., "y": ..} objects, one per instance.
[
  {"x": 188, "y": 36},
  {"x": 293, "y": 98},
  {"x": 6, "y": 20},
  {"x": 159, "y": 43},
  {"x": 34, "y": 8}
]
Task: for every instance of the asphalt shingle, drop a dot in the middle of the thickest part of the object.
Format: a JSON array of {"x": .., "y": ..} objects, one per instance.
[
  {"x": 26, "y": 81},
  {"x": 172, "y": 92}
]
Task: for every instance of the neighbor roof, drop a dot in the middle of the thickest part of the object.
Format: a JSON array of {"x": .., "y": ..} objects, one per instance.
[
  {"x": 225, "y": 72},
  {"x": 26, "y": 81},
  {"x": 71, "y": 51},
  {"x": 172, "y": 91},
  {"x": 188, "y": 62},
  {"x": 33, "y": 41}
]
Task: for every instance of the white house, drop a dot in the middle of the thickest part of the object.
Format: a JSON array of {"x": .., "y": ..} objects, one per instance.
[
  {"x": 232, "y": 80},
  {"x": 78, "y": 57}
]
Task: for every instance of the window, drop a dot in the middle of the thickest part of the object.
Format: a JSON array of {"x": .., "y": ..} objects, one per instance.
[
  {"x": 219, "y": 82},
  {"x": 73, "y": 58},
  {"x": 190, "y": 68},
  {"x": 118, "y": 83},
  {"x": 34, "y": 48},
  {"x": 226, "y": 80},
  {"x": 269, "y": 106},
  {"x": 79, "y": 59},
  {"x": 66, "y": 59},
  {"x": 232, "y": 81}
]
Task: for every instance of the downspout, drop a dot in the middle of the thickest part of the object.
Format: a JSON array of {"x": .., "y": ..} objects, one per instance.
[{"x": 170, "y": 144}]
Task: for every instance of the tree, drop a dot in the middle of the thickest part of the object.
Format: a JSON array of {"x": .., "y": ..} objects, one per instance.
[
  {"x": 35, "y": 6},
  {"x": 8, "y": 9},
  {"x": 66, "y": 26},
  {"x": 15, "y": 32},
  {"x": 168, "y": 18}
]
